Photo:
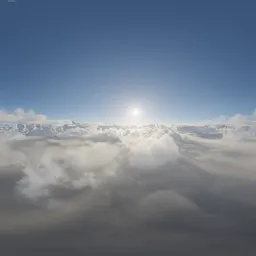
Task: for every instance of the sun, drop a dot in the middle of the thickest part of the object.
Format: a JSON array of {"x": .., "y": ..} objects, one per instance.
[
  {"x": 135, "y": 115},
  {"x": 135, "y": 112}
]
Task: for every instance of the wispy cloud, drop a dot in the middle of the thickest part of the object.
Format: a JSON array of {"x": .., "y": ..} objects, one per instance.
[{"x": 20, "y": 115}]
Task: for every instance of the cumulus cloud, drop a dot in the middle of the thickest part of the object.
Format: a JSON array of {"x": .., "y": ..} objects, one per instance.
[
  {"x": 20, "y": 115},
  {"x": 178, "y": 188}
]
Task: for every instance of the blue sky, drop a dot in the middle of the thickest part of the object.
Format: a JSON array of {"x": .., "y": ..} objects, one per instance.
[{"x": 89, "y": 60}]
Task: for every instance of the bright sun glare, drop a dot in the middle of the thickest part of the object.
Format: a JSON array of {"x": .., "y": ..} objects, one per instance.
[{"x": 135, "y": 112}]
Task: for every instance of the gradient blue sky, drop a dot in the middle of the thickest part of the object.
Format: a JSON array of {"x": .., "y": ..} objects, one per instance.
[{"x": 89, "y": 60}]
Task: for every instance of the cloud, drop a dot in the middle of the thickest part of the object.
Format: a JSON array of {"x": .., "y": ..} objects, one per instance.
[
  {"x": 19, "y": 115},
  {"x": 163, "y": 204},
  {"x": 27, "y": 117},
  {"x": 141, "y": 189}
]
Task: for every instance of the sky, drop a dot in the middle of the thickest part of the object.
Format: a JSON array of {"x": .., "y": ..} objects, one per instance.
[
  {"x": 186, "y": 188},
  {"x": 90, "y": 60}
]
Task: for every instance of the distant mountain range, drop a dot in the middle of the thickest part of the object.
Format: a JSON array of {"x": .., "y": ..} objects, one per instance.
[{"x": 49, "y": 130}]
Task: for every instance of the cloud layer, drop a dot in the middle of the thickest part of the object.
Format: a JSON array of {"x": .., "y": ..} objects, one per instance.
[{"x": 138, "y": 190}]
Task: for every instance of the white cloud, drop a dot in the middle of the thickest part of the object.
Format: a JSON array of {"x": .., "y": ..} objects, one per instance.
[
  {"x": 97, "y": 153},
  {"x": 138, "y": 175},
  {"x": 20, "y": 115}
]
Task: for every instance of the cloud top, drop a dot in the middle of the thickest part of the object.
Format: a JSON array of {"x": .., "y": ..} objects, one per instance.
[{"x": 175, "y": 187}]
